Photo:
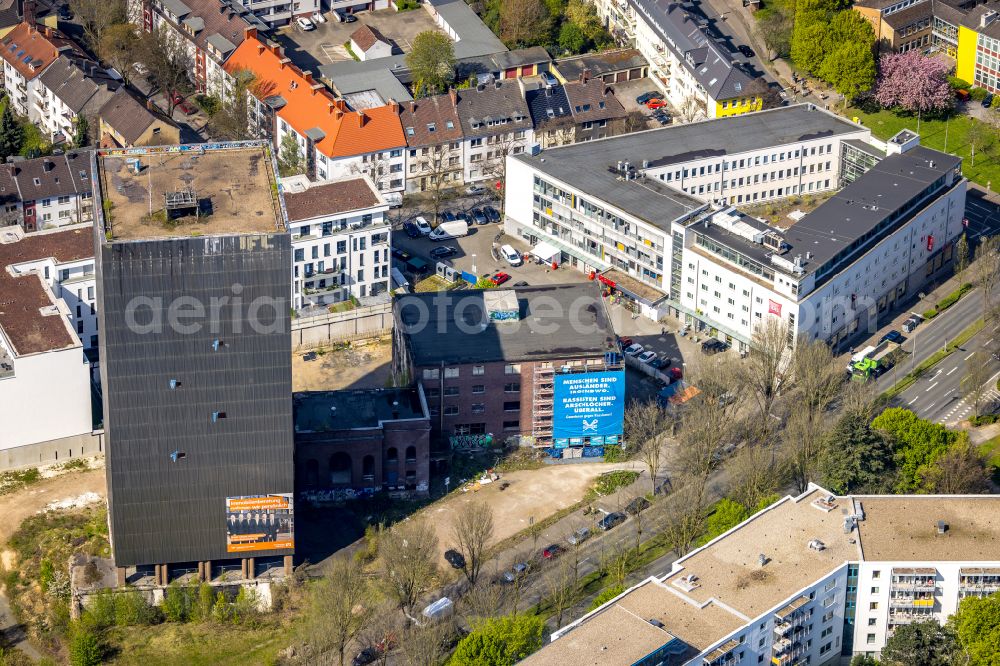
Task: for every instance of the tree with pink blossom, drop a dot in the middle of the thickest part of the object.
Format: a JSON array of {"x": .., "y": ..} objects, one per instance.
[{"x": 913, "y": 82}]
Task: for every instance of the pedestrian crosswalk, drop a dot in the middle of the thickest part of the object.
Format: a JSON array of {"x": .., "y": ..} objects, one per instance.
[{"x": 963, "y": 408}]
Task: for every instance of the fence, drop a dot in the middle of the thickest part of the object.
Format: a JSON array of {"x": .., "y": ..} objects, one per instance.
[{"x": 357, "y": 324}]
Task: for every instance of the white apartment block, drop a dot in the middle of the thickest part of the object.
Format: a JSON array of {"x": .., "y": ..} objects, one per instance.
[
  {"x": 47, "y": 289},
  {"x": 652, "y": 214},
  {"x": 812, "y": 579},
  {"x": 47, "y": 192},
  {"x": 340, "y": 240}
]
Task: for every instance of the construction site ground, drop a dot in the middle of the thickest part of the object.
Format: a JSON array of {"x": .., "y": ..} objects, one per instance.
[{"x": 358, "y": 365}]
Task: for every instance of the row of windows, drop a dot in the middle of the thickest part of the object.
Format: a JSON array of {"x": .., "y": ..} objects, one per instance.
[
  {"x": 477, "y": 370},
  {"x": 747, "y": 162}
]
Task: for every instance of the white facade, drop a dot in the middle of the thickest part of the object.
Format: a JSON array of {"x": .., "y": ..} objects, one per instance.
[
  {"x": 483, "y": 156},
  {"x": 50, "y": 113},
  {"x": 385, "y": 168},
  {"x": 20, "y": 91},
  {"x": 427, "y": 163}
]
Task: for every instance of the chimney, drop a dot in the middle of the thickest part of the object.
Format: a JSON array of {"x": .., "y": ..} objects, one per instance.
[
  {"x": 393, "y": 105},
  {"x": 496, "y": 84},
  {"x": 330, "y": 106},
  {"x": 260, "y": 48},
  {"x": 29, "y": 12},
  {"x": 454, "y": 97},
  {"x": 275, "y": 49},
  {"x": 413, "y": 106},
  {"x": 584, "y": 75},
  {"x": 307, "y": 75},
  {"x": 149, "y": 104},
  {"x": 361, "y": 118},
  {"x": 250, "y": 33},
  {"x": 283, "y": 62}
]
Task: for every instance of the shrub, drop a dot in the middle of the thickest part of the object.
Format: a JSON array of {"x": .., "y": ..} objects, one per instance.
[
  {"x": 132, "y": 609},
  {"x": 958, "y": 84},
  {"x": 614, "y": 454},
  {"x": 930, "y": 314},
  {"x": 85, "y": 649},
  {"x": 612, "y": 481},
  {"x": 606, "y": 595},
  {"x": 985, "y": 419},
  {"x": 203, "y": 609},
  {"x": 177, "y": 603},
  {"x": 500, "y": 641},
  {"x": 978, "y": 94},
  {"x": 995, "y": 104},
  {"x": 46, "y": 573},
  {"x": 221, "y": 612},
  {"x": 953, "y": 297},
  {"x": 406, "y": 5},
  {"x": 246, "y": 606}
]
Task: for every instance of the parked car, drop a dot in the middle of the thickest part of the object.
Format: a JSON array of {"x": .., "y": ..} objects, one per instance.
[
  {"x": 394, "y": 199},
  {"x": 65, "y": 13},
  {"x": 510, "y": 255},
  {"x": 317, "y": 17},
  {"x": 305, "y": 24},
  {"x": 479, "y": 216},
  {"x": 411, "y": 230},
  {"x": 659, "y": 363},
  {"x": 447, "y": 216},
  {"x": 492, "y": 213},
  {"x": 454, "y": 558},
  {"x": 611, "y": 520},
  {"x": 634, "y": 350},
  {"x": 182, "y": 104},
  {"x": 365, "y": 657},
  {"x": 646, "y": 96},
  {"x": 401, "y": 255},
  {"x": 624, "y": 341},
  {"x": 475, "y": 190},
  {"x": 422, "y": 225},
  {"x": 344, "y": 17},
  {"x": 662, "y": 118},
  {"x": 579, "y": 536},
  {"x": 549, "y": 80},
  {"x": 987, "y": 101},
  {"x": 712, "y": 346},
  {"x": 893, "y": 336},
  {"x": 515, "y": 572},
  {"x": 552, "y": 551},
  {"x": 647, "y": 356},
  {"x": 522, "y": 283},
  {"x": 443, "y": 252},
  {"x": 745, "y": 50},
  {"x": 500, "y": 278},
  {"x": 636, "y": 506},
  {"x": 911, "y": 323},
  {"x": 654, "y": 104}
]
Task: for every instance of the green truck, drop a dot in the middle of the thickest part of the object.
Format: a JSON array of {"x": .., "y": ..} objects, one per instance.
[{"x": 873, "y": 361}]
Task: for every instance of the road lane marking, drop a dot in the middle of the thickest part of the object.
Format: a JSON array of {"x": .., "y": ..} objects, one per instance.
[
  {"x": 912, "y": 401},
  {"x": 951, "y": 371},
  {"x": 969, "y": 356},
  {"x": 928, "y": 407},
  {"x": 988, "y": 342},
  {"x": 930, "y": 387}
]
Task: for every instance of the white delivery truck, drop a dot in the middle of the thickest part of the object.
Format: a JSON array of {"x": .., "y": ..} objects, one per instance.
[{"x": 453, "y": 229}]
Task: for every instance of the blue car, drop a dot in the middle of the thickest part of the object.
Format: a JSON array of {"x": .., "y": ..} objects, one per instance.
[
  {"x": 893, "y": 336},
  {"x": 411, "y": 230}
]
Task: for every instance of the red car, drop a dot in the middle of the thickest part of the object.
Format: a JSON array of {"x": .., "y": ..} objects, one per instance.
[
  {"x": 499, "y": 278},
  {"x": 676, "y": 373},
  {"x": 624, "y": 341},
  {"x": 182, "y": 104},
  {"x": 553, "y": 551},
  {"x": 654, "y": 104}
]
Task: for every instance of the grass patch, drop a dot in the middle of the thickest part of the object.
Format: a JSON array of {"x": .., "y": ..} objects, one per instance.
[
  {"x": 344, "y": 306},
  {"x": 884, "y": 124},
  {"x": 16, "y": 479},
  {"x": 350, "y": 51},
  {"x": 611, "y": 482},
  {"x": 933, "y": 360},
  {"x": 406, "y": 5},
  {"x": 208, "y": 644},
  {"x": 436, "y": 283}
]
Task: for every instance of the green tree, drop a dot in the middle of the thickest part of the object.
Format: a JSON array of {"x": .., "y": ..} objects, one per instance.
[
  {"x": 584, "y": 15},
  {"x": 290, "y": 161},
  {"x": 864, "y": 660},
  {"x": 118, "y": 47},
  {"x": 11, "y": 133},
  {"x": 81, "y": 135},
  {"x": 855, "y": 457},
  {"x": 572, "y": 38},
  {"x": 606, "y": 595},
  {"x": 962, "y": 251},
  {"x": 85, "y": 648},
  {"x": 728, "y": 514},
  {"x": 850, "y": 68},
  {"x": 431, "y": 61},
  {"x": 501, "y": 641},
  {"x": 177, "y": 603},
  {"x": 921, "y": 644},
  {"x": 808, "y": 40},
  {"x": 917, "y": 444},
  {"x": 977, "y": 625}
]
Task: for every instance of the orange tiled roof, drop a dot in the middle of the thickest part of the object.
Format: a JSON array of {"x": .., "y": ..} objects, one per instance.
[
  {"x": 309, "y": 105},
  {"x": 30, "y": 51}
]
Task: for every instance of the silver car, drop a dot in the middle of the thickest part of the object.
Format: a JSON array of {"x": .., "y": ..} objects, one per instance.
[{"x": 579, "y": 536}]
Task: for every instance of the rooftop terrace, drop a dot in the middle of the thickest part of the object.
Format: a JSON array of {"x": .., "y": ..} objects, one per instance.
[{"x": 221, "y": 189}]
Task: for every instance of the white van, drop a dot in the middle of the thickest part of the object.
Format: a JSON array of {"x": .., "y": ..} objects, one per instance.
[
  {"x": 453, "y": 229},
  {"x": 394, "y": 199}
]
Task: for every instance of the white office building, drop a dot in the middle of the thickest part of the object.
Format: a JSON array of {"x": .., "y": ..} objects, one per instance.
[
  {"x": 654, "y": 215},
  {"x": 46, "y": 310},
  {"x": 810, "y": 580},
  {"x": 340, "y": 241}
]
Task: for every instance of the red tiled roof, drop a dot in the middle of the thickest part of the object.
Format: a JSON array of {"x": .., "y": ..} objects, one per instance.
[
  {"x": 309, "y": 105},
  {"x": 30, "y": 51},
  {"x": 366, "y": 37},
  {"x": 330, "y": 199},
  {"x": 23, "y": 297}
]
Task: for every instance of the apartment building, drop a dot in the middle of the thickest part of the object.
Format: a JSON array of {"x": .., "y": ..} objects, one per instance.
[
  {"x": 696, "y": 74},
  {"x": 47, "y": 192},
  {"x": 45, "y": 279},
  {"x": 551, "y": 116},
  {"x": 900, "y": 25},
  {"x": 582, "y": 204},
  {"x": 184, "y": 478},
  {"x": 334, "y": 140},
  {"x": 340, "y": 240},
  {"x": 210, "y": 30},
  {"x": 488, "y": 368},
  {"x": 496, "y": 123},
  {"x": 811, "y": 579},
  {"x": 71, "y": 91},
  {"x": 433, "y": 142},
  {"x": 596, "y": 111},
  {"x": 357, "y": 442},
  {"x": 27, "y": 51}
]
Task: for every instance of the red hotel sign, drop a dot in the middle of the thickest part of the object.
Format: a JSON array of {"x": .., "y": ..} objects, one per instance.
[{"x": 773, "y": 307}]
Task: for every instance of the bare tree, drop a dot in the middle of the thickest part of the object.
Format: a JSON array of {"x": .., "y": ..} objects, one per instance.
[
  {"x": 634, "y": 121},
  {"x": 753, "y": 475},
  {"x": 169, "y": 64},
  {"x": 472, "y": 530},
  {"x": 616, "y": 562},
  {"x": 381, "y": 634},
  {"x": 766, "y": 368},
  {"x": 644, "y": 425},
  {"x": 961, "y": 254},
  {"x": 962, "y": 470},
  {"x": 501, "y": 147},
  {"x": 118, "y": 46},
  {"x": 639, "y": 503},
  {"x": 683, "y": 518},
  {"x": 689, "y": 110},
  {"x": 233, "y": 120},
  {"x": 523, "y": 22},
  {"x": 818, "y": 377},
  {"x": 375, "y": 166},
  {"x": 407, "y": 553},
  {"x": 338, "y": 606},
  {"x": 974, "y": 382},
  {"x": 802, "y": 443},
  {"x": 427, "y": 645},
  {"x": 483, "y": 602},
  {"x": 986, "y": 268},
  {"x": 96, "y": 16},
  {"x": 560, "y": 588},
  {"x": 435, "y": 167}
]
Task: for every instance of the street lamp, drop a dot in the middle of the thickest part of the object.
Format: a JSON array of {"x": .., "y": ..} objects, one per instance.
[{"x": 474, "y": 265}]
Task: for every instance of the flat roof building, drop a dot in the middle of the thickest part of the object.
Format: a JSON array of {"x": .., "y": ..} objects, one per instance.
[
  {"x": 812, "y": 577},
  {"x": 193, "y": 258}
]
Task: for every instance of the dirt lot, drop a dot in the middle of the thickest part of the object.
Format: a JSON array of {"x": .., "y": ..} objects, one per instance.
[
  {"x": 361, "y": 365},
  {"x": 537, "y": 492},
  {"x": 17, "y": 506}
]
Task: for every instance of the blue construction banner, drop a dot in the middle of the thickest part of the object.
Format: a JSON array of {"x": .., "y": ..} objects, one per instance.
[
  {"x": 560, "y": 442},
  {"x": 588, "y": 405}
]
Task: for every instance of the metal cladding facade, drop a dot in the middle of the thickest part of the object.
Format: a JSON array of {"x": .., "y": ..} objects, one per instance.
[{"x": 196, "y": 372}]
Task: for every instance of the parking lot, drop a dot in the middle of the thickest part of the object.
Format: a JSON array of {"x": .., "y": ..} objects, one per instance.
[
  {"x": 325, "y": 44},
  {"x": 627, "y": 91}
]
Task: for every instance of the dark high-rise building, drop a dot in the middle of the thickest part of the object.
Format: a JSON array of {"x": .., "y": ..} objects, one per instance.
[{"x": 193, "y": 272}]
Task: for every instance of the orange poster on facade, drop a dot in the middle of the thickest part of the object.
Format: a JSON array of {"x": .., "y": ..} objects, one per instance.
[{"x": 260, "y": 522}]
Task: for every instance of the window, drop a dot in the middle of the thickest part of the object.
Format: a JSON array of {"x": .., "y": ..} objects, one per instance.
[
  {"x": 451, "y": 391},
  {"x": 512, "y": 406},
  {"x": 511, "y": 425},
  {"x": 478, "y": 370},
  {"x": 870, "y": 639},
  {"x": 873, "y": 605},
  {"x": 478, "y": 408},
  {"x": 874, "y": 590},
  {"x": 512, "y": 387},
  {"x": 450, "y": 373},
  {"x": 430, "y": 373},
  {"x": 451, "y": 410},
  {"x": 871, "y": 622},
  {"x": 478, "y": 389},
  {"x": 512, "y": 369},
  {"x": 876, "y": 574}
]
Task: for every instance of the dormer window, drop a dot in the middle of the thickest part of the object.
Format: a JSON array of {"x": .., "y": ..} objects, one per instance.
[{"x": 431, "y": 127}]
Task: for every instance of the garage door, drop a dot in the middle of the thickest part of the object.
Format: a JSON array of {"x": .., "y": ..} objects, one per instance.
[
  {"x": 527, "y": 70},
  {"x": 510, "y": 73},
  {"x": 634, "y": 74},
  {"x": 621, "y": 76}
]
